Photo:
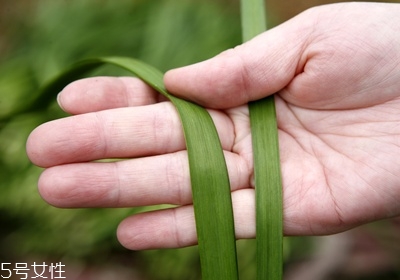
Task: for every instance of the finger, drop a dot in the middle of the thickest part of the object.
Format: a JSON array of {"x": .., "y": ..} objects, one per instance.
[
  {"x": 145, "y": 181},
  {"x": 309, "y": 60},
  {"x": 174, "y": 228},
  {"x": 248, "y": 72},
  {"x": 101, "y": 93},
  {"x": 117, "y": 133}
]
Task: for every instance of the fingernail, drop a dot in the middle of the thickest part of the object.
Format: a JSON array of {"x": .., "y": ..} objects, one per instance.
[{"x": 59, "y": 101}]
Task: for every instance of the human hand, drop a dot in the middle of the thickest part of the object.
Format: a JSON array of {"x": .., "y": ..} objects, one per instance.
[{"x": 338, "y": 77}]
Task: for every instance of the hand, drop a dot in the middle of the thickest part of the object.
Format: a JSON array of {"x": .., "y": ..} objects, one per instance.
[{"x": 337, "y": 73}]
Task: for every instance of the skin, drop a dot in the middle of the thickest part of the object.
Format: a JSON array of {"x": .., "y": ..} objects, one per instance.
[{"x": 336, "y": 72}]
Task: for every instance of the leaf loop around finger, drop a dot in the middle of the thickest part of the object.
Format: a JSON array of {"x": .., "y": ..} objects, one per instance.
[{"x": 208, "y": 172}]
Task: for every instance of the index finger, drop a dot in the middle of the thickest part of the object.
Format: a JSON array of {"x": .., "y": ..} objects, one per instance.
[{"x": 102, "y": 93}]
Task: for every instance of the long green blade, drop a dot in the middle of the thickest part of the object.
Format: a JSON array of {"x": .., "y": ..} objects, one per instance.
[
  {"x": 269, "y": 220},
  {"x": 268, "y": 183},
  {"x": 209, "y": 175},
  {"x": 253, "y": 18}
]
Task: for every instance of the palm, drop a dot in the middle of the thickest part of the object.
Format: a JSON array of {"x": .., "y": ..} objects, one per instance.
[{"x": 333, "y": 163}]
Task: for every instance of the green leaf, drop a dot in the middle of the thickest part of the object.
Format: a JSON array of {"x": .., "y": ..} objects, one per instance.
[
  {"x": 208, "y": 172},
  {"x": 267, "y": 173},
  {"x": 209, "y": 177},
  {"x": 253, "y": 18}
]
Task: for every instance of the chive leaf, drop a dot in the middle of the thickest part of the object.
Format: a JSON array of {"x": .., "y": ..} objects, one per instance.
[{"x": 267, "y": 173}]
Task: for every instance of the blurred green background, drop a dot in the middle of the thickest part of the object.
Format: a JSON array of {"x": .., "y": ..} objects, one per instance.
[{"x": 39, "y": 38}]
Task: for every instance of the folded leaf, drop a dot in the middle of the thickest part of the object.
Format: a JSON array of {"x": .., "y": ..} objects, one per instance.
[{"x": 208, "y": 172}]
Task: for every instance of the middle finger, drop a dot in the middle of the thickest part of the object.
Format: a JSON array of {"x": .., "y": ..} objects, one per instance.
[{"x": 162, "y": 179}]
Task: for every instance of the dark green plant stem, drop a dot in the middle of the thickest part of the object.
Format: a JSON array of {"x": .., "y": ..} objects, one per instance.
[
  {"x": 208, "y": 172},
  {"x": 267, "y": 173}
]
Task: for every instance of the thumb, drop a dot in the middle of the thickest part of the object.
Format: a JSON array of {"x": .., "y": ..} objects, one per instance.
[{"x": 251, "y": 71}]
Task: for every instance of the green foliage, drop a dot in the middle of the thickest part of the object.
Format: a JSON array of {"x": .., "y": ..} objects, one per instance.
[
  {"x": 50, "y": 36},
  {"x": 208, "y": 172}
]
